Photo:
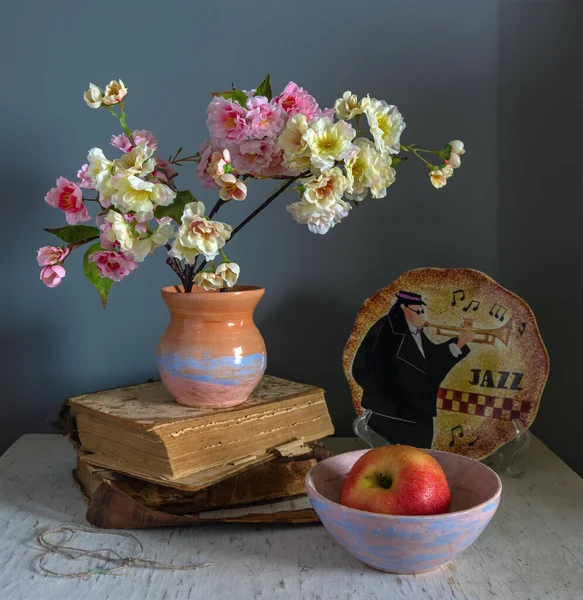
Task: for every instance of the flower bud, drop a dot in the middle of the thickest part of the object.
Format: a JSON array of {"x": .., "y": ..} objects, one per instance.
[
  {"x": 228, "y": 272},
  {"x": 93, "y": 96},
  {"x": 52, "y": 275},
  {"x": 114, "y": 92},
  {"x": 454, "y": 161},
  {"x": 208, "y": 281},
  {"x": 457, "y": 146}
]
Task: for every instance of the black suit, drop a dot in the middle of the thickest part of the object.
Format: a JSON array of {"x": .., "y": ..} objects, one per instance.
[{"x": 398, "y": 381}]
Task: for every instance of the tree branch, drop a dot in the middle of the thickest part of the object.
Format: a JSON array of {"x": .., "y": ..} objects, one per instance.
[
  {"x": 216, "y": 208},
  {"x": 174, "y": 264},
  {"x": 263, "y": 206}
]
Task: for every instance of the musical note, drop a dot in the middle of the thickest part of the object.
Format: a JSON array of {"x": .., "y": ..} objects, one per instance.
[
  {"x": 471, "y": 305},
  {"x": 522, "y": 328},
  {"x": 474, "y": 442},
  {"x": 461, "y": 434},
  {"x": 499, "y": 309},
  {"x": 462, "y": 297}
]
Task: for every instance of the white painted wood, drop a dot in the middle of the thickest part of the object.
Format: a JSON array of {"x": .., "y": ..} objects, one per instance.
[{"x": 532, "y": 550}]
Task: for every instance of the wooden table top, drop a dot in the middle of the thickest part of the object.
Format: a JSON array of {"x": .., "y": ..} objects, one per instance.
[{"x": 532, "y": 549}]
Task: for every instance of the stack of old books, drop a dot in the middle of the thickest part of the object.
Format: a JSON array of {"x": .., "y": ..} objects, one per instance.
[{"x": 145, "y": 461}]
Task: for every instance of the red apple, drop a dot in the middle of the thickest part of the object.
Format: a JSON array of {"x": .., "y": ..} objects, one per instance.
[{"x": 396, "y": 480}]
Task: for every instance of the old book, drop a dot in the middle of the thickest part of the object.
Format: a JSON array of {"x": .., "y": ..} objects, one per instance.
[
  {"x": 111, "y": 509},
  {"x": 141, "y": 431},
  {"x": 271, "y": 493},
  {"x": 281, "y": 478}
]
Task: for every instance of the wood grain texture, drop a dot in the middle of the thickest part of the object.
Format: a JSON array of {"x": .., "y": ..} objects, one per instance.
[{"x": 532, "y": 550}]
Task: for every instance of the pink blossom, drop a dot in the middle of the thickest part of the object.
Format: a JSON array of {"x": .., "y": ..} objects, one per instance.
[
  {"x": 164, "y": 170},
  {"x": 218, "y": 163},
  {"x": 327, "y": 112},
  {"x": 69, "y": 198},
  {"x": 113, "y": 265},
  {"x": 227, "y": 121},
  {"x": 295, "y": 100},
  {"x": 84, "y": 179},
  {"x": 122, "y": 142},
  {"x": 205, "y": 151},
  {"x": 276, "y": 167},
  {"x": 231, "y": 187},
  {"x": 254, "y": 156},
  {"x": 212, "y": 163},
  {"x": 52, "y": 275},
  {"x": 266, "y": 119},
  {"x": 142, "y": 136},
  {"x": 104, "y": 228},
  {"x": 51, "y": 255}
]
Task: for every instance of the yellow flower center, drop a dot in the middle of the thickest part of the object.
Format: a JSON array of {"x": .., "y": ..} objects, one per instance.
[
  {"x": 328, "y": 141},
  {"x": 140, "y": 195},
  {"x": 229, "y": 122},
  {"x": 384, "y": 124},
  {"x": 358, "y": 169}
]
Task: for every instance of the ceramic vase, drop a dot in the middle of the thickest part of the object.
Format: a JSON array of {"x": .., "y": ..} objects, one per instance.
[{"x": 211, "y": 355}]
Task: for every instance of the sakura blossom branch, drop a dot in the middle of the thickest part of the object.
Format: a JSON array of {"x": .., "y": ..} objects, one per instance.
[{"x": 337, "y": 162}]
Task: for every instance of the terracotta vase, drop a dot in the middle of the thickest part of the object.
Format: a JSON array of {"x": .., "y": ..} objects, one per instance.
[{"x": 211, "y": 355}]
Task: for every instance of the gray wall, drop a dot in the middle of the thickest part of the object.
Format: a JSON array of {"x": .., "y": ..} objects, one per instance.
[
  {"x": 539, "y": 197},
  {"x": 438, "y": 64}
]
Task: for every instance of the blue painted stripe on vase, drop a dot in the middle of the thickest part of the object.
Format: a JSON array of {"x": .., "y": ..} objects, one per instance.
[{"x": 207, "y": 369}]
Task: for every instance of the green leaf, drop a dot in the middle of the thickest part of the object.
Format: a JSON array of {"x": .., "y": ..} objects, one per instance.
[
  {"x": 235, "y": 95},
  {"x": 91, "y": 271},
  {"x": 397, "y": 160},
  {"x": 73, "y": 234},
  {"x": 176, "y": 209},
  {"x": 264, "y": 88}
]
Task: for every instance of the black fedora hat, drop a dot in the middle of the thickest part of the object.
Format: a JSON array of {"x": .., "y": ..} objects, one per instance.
[{"x": 410, "y": 298}]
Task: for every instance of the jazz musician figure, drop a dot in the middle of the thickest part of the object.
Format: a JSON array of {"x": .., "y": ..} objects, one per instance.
[{"x": 400, "y": 370}]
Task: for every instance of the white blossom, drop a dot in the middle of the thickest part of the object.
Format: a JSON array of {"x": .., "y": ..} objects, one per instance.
[
  {"x": 368, "y": 169},
  {"x": 348, "y": 106},
  {"x": 146, "y": 243},
  {"x": 296, "y": 154},
  {"x": 198, "y": 235},
  {"x": 386, "y": 125},
  {"x": 326, "y": 189},
  {"x": 138, "y": 161},
  {"x": 317, "y": 219},
  {"x": 438, "y": 178},
  {"x": 328, "y": 142}
]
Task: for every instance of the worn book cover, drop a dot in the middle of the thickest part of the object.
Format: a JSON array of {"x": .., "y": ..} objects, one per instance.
[
  {"x": 269, "y": 493},
  {"x": 141, "y": 431}
]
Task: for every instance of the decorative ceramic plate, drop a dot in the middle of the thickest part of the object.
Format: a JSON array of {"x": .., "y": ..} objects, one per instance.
[{"x": 447, "y": 359}]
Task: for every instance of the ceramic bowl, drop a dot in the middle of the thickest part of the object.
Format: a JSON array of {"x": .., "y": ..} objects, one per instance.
[{"x": 403, "y": 544}]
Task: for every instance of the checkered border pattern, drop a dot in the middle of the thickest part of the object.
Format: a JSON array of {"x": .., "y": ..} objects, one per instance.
[{"x": 493, "y": 407}]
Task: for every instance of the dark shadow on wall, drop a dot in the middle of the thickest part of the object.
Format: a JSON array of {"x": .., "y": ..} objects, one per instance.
[
  {"x": 540, "y": 196},
  {"x": 29, "y": 372},
  {"x": 305, "y": 338}
]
